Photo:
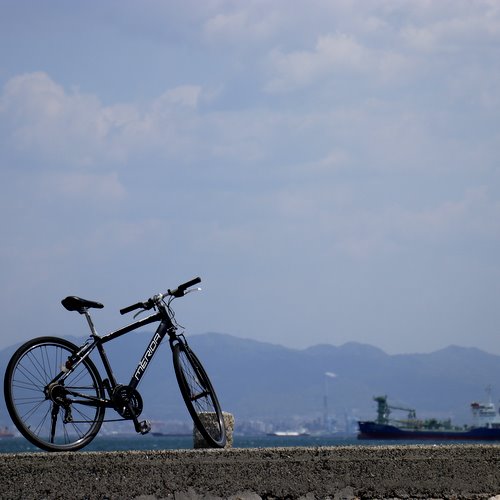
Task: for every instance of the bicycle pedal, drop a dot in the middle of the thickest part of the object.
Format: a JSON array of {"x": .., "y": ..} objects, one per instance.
[{"x": 144, "y": 426}]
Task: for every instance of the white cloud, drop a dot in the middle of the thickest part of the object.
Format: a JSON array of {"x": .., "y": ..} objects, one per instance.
[
  {"x": 123, "y": 235},
  {"x": 385, "y": 43},
  {"x": 335, "y": 56},
  {"x": 42, "y": 119},
  {"x": 71, "y": 129},
  {"x": 301, "y": 68},
  {"x": 78, "y": 186},
  {"x": 476, "y": 24},
  {"x": 474, "y": 217},
  {"x": 368, "y": 153},
  {"x": 241, "y": 26},
  {"x": 185, "y": 95}
]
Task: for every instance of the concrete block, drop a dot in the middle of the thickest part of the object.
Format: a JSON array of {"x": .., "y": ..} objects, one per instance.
[{"x": 210, "y": 420}]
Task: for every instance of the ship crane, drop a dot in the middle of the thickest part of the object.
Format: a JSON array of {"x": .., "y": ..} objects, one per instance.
[{"x": 384, "y": 410}]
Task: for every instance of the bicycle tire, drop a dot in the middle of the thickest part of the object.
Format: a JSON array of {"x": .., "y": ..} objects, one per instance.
[
  {"x": 199, "y": 395},
  {"x": 37, "y": 417}
]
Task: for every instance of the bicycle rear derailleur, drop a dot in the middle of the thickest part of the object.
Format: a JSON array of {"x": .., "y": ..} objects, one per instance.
[{"x": 128, "y": 403}]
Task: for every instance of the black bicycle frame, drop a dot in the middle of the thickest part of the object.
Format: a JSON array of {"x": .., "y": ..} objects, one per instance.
[{"x": 165, "y": 326}]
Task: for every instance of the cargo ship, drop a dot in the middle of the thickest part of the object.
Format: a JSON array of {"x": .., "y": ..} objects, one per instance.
[{"x": 485, "y": 427}]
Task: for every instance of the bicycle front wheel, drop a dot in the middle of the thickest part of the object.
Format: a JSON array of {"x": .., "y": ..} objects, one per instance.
[
  {"x": 53, "y": 412},
  {"x": 199, "y": 395}
]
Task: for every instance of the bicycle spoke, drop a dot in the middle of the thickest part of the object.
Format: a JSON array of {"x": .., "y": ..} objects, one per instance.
[
  {"x": 40, "y": 406},
  {"x": 199, "y": 395}
]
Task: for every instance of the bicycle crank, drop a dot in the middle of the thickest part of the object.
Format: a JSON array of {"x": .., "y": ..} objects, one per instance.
[{"x": 127, "y": 401}]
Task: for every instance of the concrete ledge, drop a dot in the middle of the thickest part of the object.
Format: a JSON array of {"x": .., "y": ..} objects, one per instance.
[{"x": 468, "y": 471}]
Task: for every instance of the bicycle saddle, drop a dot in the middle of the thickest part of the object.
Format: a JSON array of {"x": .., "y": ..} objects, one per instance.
[{"x": 77, "y": 304}]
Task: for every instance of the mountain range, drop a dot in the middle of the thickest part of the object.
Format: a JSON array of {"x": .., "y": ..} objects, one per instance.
[{"x": 262, "y": 381}]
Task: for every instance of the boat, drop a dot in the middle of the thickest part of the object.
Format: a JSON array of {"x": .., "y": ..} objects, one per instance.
[
  {"x": 171, "y": 434},
  {"x": 288, "y": 433},
  {"x": 485, "y": 427},
  {"x": 160, "y": 428},
  {"x": 5, "y": 433}
]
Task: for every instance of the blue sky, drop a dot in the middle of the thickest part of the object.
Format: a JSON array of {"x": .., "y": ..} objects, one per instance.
[{"x": 329, "y": 168}]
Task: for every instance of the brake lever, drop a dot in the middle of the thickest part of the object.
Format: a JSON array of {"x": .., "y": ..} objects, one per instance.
[
  {"x": 146, "y": 307},
  {"x": 139, "y": 313},
  {"x": 198, "y": 289}
]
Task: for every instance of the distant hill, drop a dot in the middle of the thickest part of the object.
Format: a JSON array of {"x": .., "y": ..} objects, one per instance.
[{"x": 257, "y": 380}]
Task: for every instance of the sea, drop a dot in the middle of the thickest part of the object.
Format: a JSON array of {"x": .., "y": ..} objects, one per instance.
[{"x": 150, "y": 442}]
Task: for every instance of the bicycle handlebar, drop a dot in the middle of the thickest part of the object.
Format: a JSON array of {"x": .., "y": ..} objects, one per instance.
[
  {"x": 179, "y": 291},
  {"x": 176, "y": 292},
  {"x": 133, "y": 307}
]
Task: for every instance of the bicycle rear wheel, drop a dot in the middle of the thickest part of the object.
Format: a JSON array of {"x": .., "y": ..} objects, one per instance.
[
  {"x": 199, "y": 395},
  {"x": 53, "y": 415}
]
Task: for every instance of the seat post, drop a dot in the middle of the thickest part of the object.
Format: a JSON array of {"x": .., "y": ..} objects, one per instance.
[{"x": 89, "y": 321}]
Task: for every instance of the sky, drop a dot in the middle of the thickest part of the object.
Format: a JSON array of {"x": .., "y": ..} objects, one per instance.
[{"x": 329, "y": 168}]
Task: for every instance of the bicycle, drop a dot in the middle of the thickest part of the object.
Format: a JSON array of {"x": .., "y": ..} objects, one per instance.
[{"x": 57, "y": 398}]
